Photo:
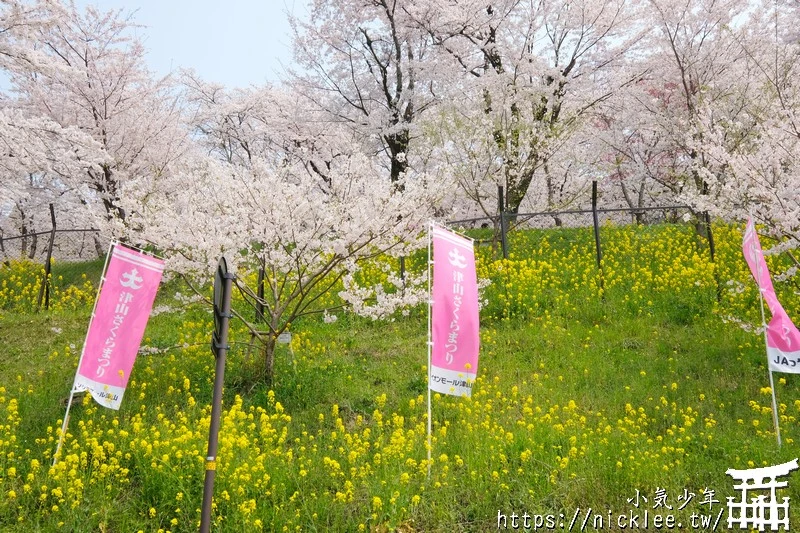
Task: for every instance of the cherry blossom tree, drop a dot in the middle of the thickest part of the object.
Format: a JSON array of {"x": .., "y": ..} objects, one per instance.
[
  {"x": 277, "y": 190},
  {"x": 638, "y": 158},
  {"x": 693, "y": 58},
  {"x": 365, "y": 62},
  {"x": 86, "y": 70},
  {"x": 525, "y": 75},
  {"x": 751, "y": 158},
  {"x": 38, "y": 156}
]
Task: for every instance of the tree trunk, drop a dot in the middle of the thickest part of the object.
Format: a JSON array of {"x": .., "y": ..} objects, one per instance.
[
  {"x": 637, "y": 216},
  {"x": 107, "y": 186},
  {"x": 34, "y": 243},
  {"x": 98, "y": 246},
  {"x": 268, "y": 351},
  {"x": 551, "y": 196},
  {"x": 398, "y": 149},
  {"x": 24, "y": 244},
  {"x": 640, "y": 214},
  {"x": 700, "y": 227}
]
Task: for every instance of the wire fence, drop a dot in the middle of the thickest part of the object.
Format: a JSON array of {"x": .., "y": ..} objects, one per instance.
[
  {"x": 68, "y": 245},
  {"x": 594, "y": 217},
  {"x": 77, "y": 245}
]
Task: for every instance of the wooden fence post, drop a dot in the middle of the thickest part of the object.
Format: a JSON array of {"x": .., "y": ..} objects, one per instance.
[
  {"x": 596, "y": 223},
  {"x": 44, "y": 289},
  {"x": 501, "y": 209}
]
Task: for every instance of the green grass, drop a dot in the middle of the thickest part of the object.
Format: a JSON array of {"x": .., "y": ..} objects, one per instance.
[{"x": 580, "y": 402}]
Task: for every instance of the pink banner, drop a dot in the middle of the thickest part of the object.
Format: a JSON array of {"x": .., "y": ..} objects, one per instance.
[
  {"x": 754, "y": 256},
  {"x": 454, "y": 321},
  {"x": 783, "y": 338},
  {"x": 116, "y": 330}
]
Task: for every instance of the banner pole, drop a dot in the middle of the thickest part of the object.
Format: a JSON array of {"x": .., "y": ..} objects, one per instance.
[
  {"x": 430, "y": 343},
  {"x": 65, "y": 423},
  {"x": 771, "y": 381},
  {"x": 766, "y": 344}
]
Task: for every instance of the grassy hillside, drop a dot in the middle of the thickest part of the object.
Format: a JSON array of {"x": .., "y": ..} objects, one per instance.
[{"x": 585, "y": 398}]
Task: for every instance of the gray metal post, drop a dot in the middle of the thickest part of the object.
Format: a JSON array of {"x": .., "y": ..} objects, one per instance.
[
  {"x": 712, "y": 252},
  {"x": 596, "y": 223},
  {"x": 44, "y": 290},
  {"x": 501, "y": 208},
  {"x": 221, "y": 350}
]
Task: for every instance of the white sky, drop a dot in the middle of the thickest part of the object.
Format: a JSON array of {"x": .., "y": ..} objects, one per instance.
[{"x": 233, "y": 42}]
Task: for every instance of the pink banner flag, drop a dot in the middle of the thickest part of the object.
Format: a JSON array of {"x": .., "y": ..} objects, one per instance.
[
  {"x": 115, "y": 332},
  {"x": 454, "y": 320},
  {"x": 783, "y": 338}
]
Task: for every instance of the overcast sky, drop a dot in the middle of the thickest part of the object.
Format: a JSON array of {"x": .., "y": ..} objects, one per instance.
[{"x": 233, "y": 42}]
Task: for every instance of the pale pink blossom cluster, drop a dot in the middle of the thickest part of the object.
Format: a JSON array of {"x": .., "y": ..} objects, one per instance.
[{"x": 394, "y": 112}]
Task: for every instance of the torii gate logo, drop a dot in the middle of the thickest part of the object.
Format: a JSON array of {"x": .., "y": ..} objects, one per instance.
[{"x": 760, "y": 510}]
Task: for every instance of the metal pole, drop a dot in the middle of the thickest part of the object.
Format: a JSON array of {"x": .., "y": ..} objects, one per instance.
[
  {"x": 501, "y": 207},
  {"x": 500, "y": 200},
  {"x": 596, "y": 223},
  {"x": 430, "y": 343},
  {"x": 771, "y": 382},
  {"x": 44, "y": 290},
  {"x": 216, "y": 406},
  {"x": 712, "y": 252},
  {"x": 65, "y": 423},
  {"x": 775, "y": 417}
]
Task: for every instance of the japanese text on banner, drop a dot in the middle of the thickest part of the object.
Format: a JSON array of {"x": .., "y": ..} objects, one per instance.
[
  {"x": 454, "y": 320},
  {"x": 116, "y": 330}
]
